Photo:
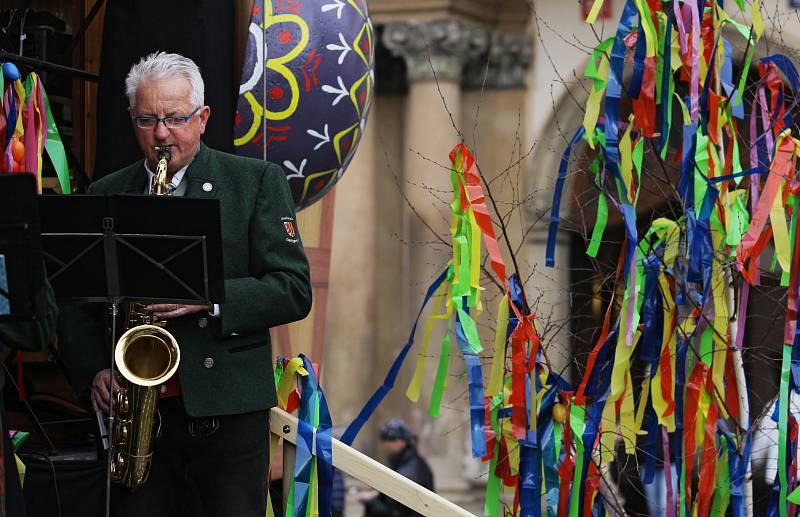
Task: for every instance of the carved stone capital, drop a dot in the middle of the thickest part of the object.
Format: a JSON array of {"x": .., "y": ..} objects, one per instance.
[
  {"x": 508, "y": 56},
  {"x": 443, "y": 46}
]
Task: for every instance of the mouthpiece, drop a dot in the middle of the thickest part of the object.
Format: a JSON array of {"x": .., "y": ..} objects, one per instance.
[{"x": 163, "y": 152}]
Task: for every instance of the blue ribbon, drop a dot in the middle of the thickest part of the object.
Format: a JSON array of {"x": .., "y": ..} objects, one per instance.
[
  {"x": 680, "y": 382},
  {"x": 555, "y": 210},
  {"x": 686, "y": 182},
  {"x": 727, "y": 80},
  {"x": 601, "y": 374},
  {"x": 302, "y": 467},
  {"x": 477, "y": 413},
  {"x": 529, "y": 487},
  {"x": 665, "y": 105},
  {"x": 324, "y": 443},
  {"x": 635, "y": 88},
  {"x": 763, "y": 171},
  {"x": 369, "y": 408},
  {"x": 652, "y": 313},
  {"x": 547, "y": 444},
  {"x": 737, "y": 466},
  {"x": 313, "y": 406},
  {"x": 652, "y": 444}
]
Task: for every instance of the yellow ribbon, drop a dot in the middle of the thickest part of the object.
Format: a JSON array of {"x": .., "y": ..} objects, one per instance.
[
  {"x": 498, "y": 359},
  {"x": 595, "y": 10},
  {"x": 415, "y": 386},
  {"x": 287, "y": 384}
]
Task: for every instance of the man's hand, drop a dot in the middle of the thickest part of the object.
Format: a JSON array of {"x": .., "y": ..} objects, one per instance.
[
  {"x": 167, "y": 311},
  {"x": 101, "y": 390}
]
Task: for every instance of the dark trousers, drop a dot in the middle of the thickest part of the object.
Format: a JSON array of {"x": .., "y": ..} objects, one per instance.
[{"x": 222, "y": 474}]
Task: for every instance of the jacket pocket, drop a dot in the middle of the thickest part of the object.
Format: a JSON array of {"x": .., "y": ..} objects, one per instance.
[{"x": 245, "y": 348}]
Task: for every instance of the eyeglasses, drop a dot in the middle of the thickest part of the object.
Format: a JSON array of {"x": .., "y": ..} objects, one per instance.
[{"x": 171, "y": 122}]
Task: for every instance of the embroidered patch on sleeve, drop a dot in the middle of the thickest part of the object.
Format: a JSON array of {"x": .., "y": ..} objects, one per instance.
[{"x": 289, "y": 226}]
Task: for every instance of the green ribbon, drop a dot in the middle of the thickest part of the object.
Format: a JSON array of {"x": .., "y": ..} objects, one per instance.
[
  {"x": 745, "y": 70},
  {"x": 707, "y": 345},
  {"x": 794, "y": 497},
  {"x": 722, "y": 492},
  {"x": 55, "y": 148},
  {"x": 491, "y": 505},
  {"x": 440, "y": 383},
  {"x": 601, "y": 221},
  {"x": 701, "y": 170},
  {"x": 577, "y": 421},
  {"x": 783, "y": 417},
  {"x": 792, "y": 201},
  {"x": 740, "y": 221},
  {"x": 470, "y": 330}
]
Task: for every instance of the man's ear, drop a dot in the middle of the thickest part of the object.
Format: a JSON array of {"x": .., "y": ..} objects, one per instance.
[{"x": 204, "y": 114}]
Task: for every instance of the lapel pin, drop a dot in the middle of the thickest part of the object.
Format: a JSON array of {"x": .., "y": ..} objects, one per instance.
[{"x": 207, "y": 186}]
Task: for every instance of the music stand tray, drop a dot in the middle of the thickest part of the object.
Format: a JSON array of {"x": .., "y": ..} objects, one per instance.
[{"x": 133, "y": 248}]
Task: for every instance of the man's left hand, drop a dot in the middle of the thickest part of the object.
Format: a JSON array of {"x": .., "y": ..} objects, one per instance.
[{"x": 168, "y": 311}]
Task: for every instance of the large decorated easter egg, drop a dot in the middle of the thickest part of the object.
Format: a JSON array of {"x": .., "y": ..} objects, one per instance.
[{"x": 306, "y": 88}]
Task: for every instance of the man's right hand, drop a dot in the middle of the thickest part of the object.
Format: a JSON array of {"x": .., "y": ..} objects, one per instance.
[{"x": 101, "y": 390}]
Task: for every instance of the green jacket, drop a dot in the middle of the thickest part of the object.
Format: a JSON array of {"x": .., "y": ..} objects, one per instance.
[{"x": 226, "y": 362}]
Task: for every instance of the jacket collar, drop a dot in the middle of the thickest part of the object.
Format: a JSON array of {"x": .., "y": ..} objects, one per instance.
[
  {"x": 199, "y": 177},
  {"x": 135, "y": 183}
]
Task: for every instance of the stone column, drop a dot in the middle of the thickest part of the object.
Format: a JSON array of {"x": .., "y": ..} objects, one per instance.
[
  {"x": 434, "y": 53},
  {"x": 350, "y": 329}
]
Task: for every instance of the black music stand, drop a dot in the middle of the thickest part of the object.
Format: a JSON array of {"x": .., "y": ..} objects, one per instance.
[
  {"x": 21, "y": 271},
  {"x": 132, "y": 248}
]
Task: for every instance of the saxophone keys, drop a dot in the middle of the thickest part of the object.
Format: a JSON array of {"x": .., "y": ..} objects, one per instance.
[
  {"x": 121, "y": 434},
  {"x": 118, "y": 466},
  {"x": 123, "y": 405}
]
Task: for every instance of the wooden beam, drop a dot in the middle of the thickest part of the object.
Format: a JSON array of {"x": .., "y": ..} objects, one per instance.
[{"x": 368, "y": 471}]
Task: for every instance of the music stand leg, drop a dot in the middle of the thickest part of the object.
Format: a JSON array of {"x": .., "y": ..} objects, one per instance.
[{"x": 114, "y": 313}]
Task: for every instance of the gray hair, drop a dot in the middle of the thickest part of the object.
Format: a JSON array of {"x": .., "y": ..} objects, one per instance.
[{"x": 161, "y": 65}]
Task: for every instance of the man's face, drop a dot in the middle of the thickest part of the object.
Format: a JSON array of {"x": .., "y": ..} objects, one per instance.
[
  {"x": 391, "y": 448},
  {"x": 164, "y": 98}
]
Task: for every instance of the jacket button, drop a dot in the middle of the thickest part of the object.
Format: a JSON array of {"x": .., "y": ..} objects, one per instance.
[
  {"x": 208, "y": 362},
  {"x": 202, "y": 322}
]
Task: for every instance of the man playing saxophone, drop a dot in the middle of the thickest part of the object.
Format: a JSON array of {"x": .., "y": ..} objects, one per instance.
[{"x": 212, "y": 452}]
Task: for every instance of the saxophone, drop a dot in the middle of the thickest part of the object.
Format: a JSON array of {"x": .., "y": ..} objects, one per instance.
[{"x": 146, "y": 356}]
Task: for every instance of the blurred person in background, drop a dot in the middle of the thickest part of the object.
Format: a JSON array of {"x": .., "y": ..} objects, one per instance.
[{"x": 399, "y": 445}]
